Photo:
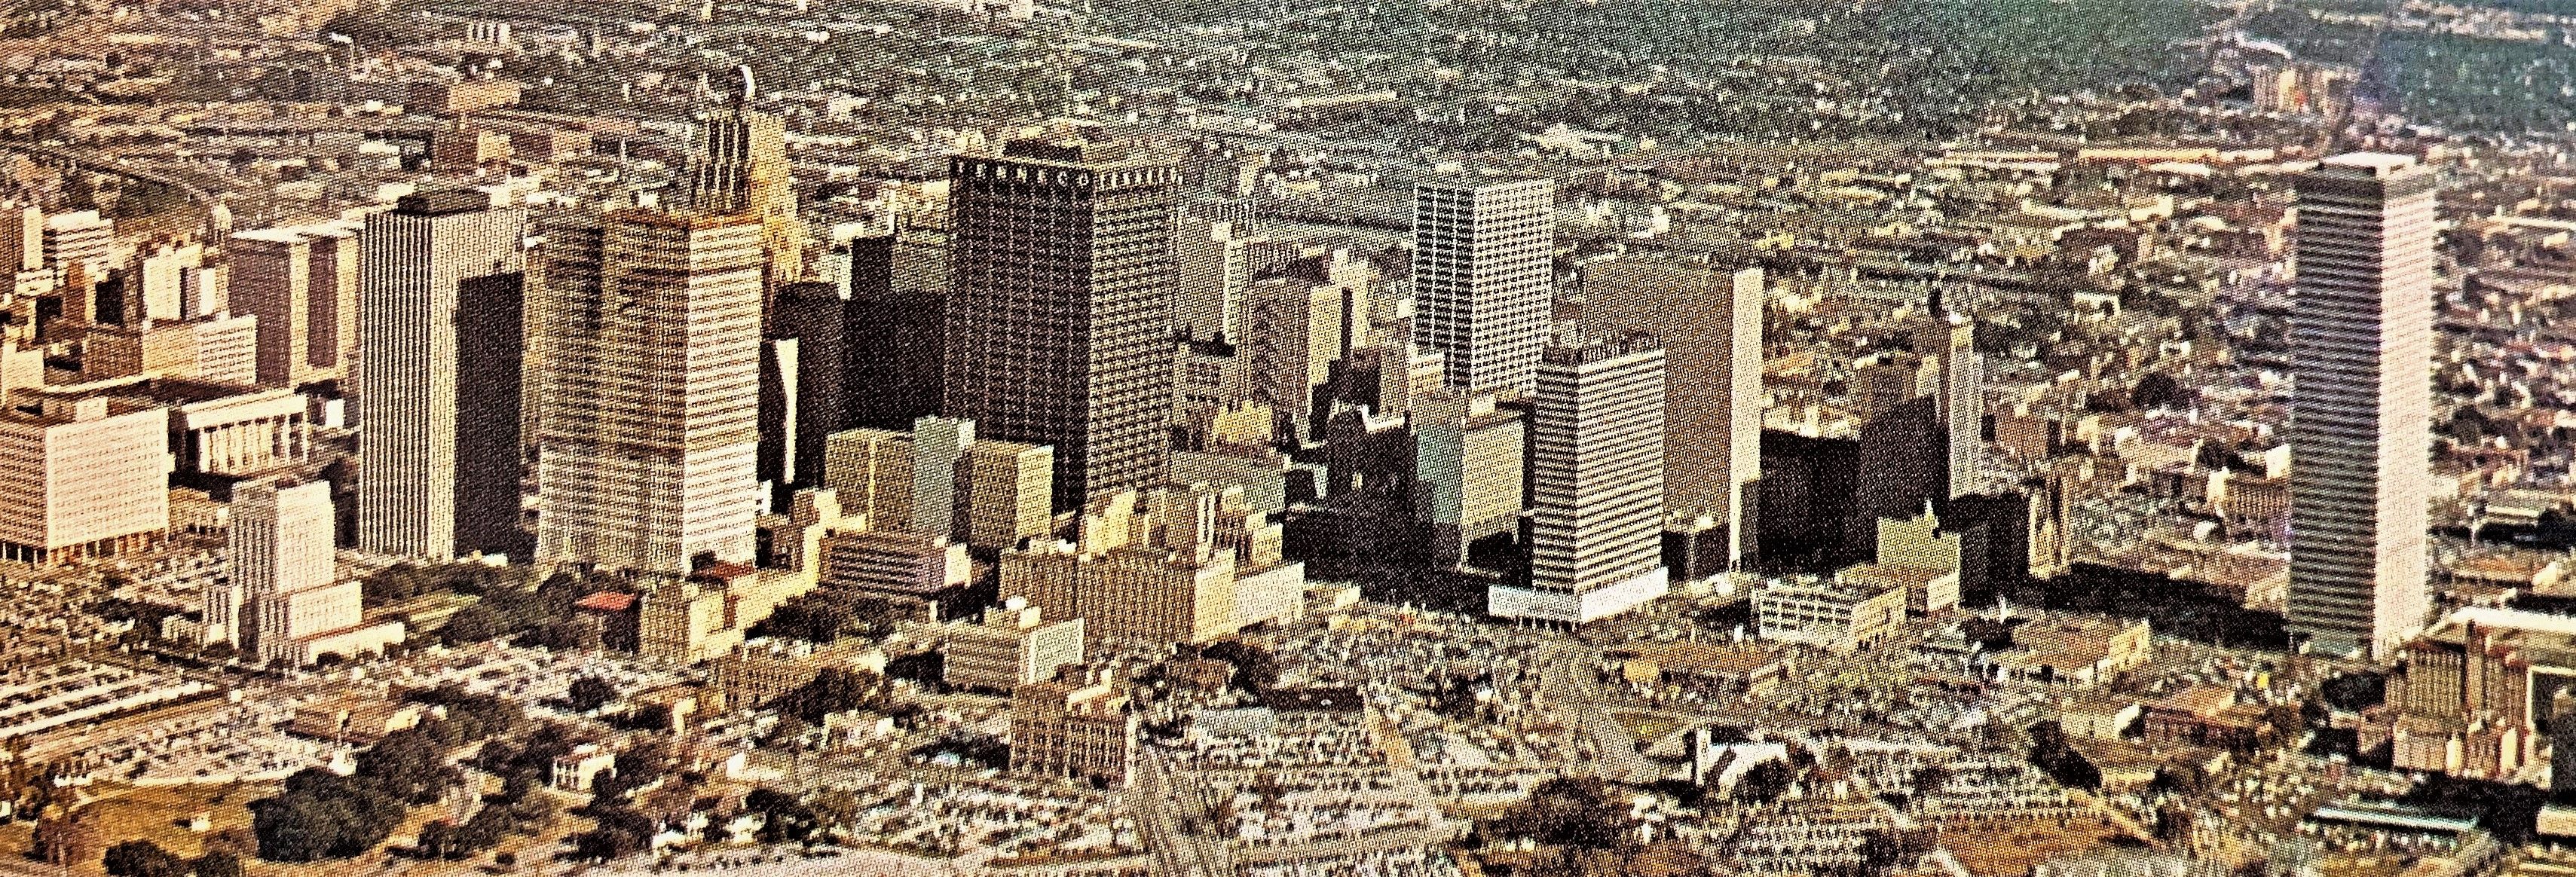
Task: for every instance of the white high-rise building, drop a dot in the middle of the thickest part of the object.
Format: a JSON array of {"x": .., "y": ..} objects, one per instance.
[
  {"x": 1963, "y": 414},
  {"x": 648, "y": 444},
  {"x": 1709, "y": 319},
  {"x": 284, "y": 601},
  {"x": 2360, "y": 442},
  {"x": 1596, "y": 484},
  {"x": 279, "y": 542},
  {"x": 1482, "y": 281},
  {"x": 82, "y": 238},
  {"x": 439, "y": 360}
]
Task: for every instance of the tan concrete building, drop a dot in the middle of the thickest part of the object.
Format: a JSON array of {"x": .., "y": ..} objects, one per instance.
[
  {"x": 986, "y": 493},
  {"x": 81, "y": 477},
  {"x": 1013, "y": 645},
  {"x": 1080, "y": 731},
  {"x": 1129, "y": 593},
  {"x": 1468, "y": 462},
  {"x": 1842, "y": 615}
]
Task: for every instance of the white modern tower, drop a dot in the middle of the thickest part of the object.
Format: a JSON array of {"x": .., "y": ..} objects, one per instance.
[
  {"x": 647, "y": 445},
  {"x": 439, "y": 367},
  {"x": 1596, "y": 484},
  {"x": 1482, "y": 282},
  {"x": 2361, "y": 344},
  {"x": 279, "y": 542}
]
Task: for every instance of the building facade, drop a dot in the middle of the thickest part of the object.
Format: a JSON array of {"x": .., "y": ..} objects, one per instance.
[
  {"x": 1596, "y": 485},
  {"x": 81, "y": 477},
  {"x": 441, "y": 360},
  {"x": 647, "y": 444},
  {"x": 1482, "y": 281},
  {"x": 2361, "y": 343},
  {"x": 1059, "y": 325}
]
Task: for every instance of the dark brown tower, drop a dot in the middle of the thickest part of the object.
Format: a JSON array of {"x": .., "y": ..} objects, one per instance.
[{"x": 1058, "y": 329}]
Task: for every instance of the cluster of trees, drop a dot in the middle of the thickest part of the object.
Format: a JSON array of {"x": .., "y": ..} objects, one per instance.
[
  {"x": 824, "y": 616},
  {"x": 539, "y": 616},
  {"x": 590, "y": 693},
  {"x": 1255, "y": 669},
  {"x": 143, "y": 858},
  {"x": 2050, "y": 752},
  {"x": 835, "y": 689},
  {"x": 406, "y": 581},
  {"x": 322, "y": 815}
]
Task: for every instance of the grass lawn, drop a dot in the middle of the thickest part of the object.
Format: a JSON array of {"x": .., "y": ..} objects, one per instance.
[
  {"x": 1648, "y": 727},
  {"x": 159, "y": 813},
  {"x": 2010, "y": 849}
]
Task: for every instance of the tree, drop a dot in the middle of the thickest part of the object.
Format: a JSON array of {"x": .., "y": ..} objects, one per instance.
[
  {"x": 437, "y": 839},
  {"x": 590, "y": 693},
  {"x": 814, "y": 617},
  {"x": 2157, "y": 392},
  {"x": 835, "y": 689},
  {"x": 1255, "y": 669},
  {"x": 783, "y": 818},
  {"x": 143, "y": 858},
  {"x": 409, "y": 764},
  {"x": 1766, "y": 782},
  {"x": 472, "y": 624},
  {"x": 219, "y": 863},
  {"x": 1570, "y": 812}
]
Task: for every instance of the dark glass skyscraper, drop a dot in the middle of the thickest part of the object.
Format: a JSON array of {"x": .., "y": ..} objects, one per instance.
[{"x": 1058, "y": 329}]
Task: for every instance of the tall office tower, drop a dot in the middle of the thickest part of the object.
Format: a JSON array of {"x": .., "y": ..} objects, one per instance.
[
  {"x": 301, "y": 282},
  {"x": 2361, "y": 341},
  {"x": 1596, "y": 484},
  {"x": 803, "y": 365},
  {"x": 1482, "y": 285},
  {"x": 646, "y": 449},
  {"x": 1215, "y": 267},
  {"x": 738, "y": 164},
  {"x": 1710, "y": 321},
  {"x": 440, "y": 377},
  {"x": 278, "y": 543},
  {"x": 1059, "y": 325},
  {"x": 1468, "y": 463},
  {"x": 1963, "y": 403},
  {"x": 1292, "y": 333},
  {"x": 22, "y": 238},
  {"x": 897, "y": 316}
]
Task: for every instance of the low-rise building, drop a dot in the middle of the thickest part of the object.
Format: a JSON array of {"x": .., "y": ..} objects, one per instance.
[
  {"x": 1075, "y": 729},
  {"x": 578, "y": 770},
  {"x": 1838, "y": 614},
  {"x": 2079, "y": 651},
  {"x": 1012, "y": 646},
  {"x": 90, "y": 476}
]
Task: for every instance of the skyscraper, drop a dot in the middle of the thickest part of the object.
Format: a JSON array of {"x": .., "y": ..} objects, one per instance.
[
  {"x": 1482, "y": 281},
  {"x": 1596, "y": 484},
  {"x": 302, "y": 284},
  {"x": 738, "y": 164},
  {"x": 2361, "y": 341},
  {"x": 1963, "y": 415},
  {"x": 896, "y": 316},
  {"x": 1059, "y": 325},
  {"x": 441, "y": 354},
  {"x": 647, "y": 445},
  {"x": 1710, "y": 321},
  {"x": 804, "y": 362}
]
